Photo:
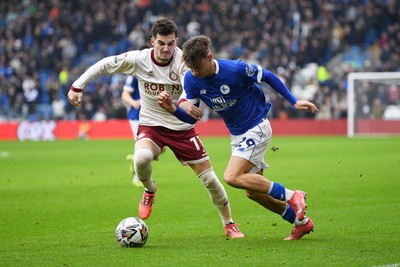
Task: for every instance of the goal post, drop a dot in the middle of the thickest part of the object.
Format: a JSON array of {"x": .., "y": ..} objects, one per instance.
[{"x": 373, "y": 103}]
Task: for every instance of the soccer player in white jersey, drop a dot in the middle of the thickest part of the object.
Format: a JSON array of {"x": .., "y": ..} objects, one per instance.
[
  {"x": 160, "y": 69},
  {"x": 231, "y": 88}
]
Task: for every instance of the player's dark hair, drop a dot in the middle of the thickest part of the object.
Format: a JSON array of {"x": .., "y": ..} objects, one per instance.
[
  {"x": 195, "y": 49},
  {"x": 164, "y": 27}
]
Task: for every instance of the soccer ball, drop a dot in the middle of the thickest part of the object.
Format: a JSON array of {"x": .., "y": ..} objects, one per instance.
[{"x": 131, "y": 232}]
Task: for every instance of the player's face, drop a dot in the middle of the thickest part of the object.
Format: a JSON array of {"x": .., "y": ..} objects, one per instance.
[
  {"x": 204, "y": 68},
  {"x": 164, "y": 47}
]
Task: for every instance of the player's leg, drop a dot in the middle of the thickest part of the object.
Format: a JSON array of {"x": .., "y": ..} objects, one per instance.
[
  {"x": 188, "y": 148},
  {"x": 215, "y": 189},
  {"x": 235, "y": 175},
  {"x": 246, "y": 162},
  {"x": 282, "y": 208},
  {"x": 147, "y": 149},
  {"x": 279, "y": 207},
  {"x": 268, "y": 202},
  {"x": 145, "y": 152},
  {"x": 218, "y": 196},
  {"x": 144, "y": 155}
]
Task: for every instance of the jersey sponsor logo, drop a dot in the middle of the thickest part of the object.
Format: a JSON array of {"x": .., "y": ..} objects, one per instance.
[
  {"x": 203, "y": 91},
  {"x": 250, "y": 70},
  {"x": 225, "y": 89},
  {"x": 221, "y": 104},
  {"x": 218, "y": 100},
  {"x": 150, "y": 73},
  {"x": 156, "y": 88}
]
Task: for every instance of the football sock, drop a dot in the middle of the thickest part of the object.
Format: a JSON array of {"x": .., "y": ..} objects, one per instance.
[
  {"x": 289, "y": 214},
  {"x": 225, "y": 214},
  {"x": 277, "y": 191},
  {"x": 302, "y": 222},
  {"x": 142, "y": 160},
  {"x": 217, "y": 194},
  {"x": 288, "y": 194}
]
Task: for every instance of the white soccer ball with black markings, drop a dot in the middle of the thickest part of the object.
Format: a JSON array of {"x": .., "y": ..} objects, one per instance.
[{"x": 131, "y": 232}]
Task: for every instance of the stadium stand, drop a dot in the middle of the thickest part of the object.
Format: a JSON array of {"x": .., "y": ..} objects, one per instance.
[{"x": 44, "y": 45}]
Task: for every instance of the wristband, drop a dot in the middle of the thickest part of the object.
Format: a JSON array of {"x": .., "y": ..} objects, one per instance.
[
  {"x": 76, "y": 90},
  {"x": 183, "y": 116}
]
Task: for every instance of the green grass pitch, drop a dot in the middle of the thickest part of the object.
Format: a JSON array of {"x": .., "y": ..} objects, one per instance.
[{"x": 61, "y": 201}]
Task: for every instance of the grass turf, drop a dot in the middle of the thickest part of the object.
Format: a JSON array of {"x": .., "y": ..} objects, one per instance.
[{"x": 61, "y": 202}]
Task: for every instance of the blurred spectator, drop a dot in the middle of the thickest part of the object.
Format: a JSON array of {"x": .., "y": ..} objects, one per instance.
[
  {"x": 31, "y": 95},
  {"x": 377, "y": 109},
  {"x": 58, "y": 107},
  {"x": 100, "y": 114}
]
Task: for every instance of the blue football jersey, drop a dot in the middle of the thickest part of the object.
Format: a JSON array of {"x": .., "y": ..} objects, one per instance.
[
  {"x": 234, "y": 92},
  {"x": 131, "y": 84}
]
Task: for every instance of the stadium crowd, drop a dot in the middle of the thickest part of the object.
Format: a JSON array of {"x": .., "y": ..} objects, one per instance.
[{"x": 45, "y": 44}]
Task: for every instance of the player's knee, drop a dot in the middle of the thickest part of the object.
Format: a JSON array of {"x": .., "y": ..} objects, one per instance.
[
  {"x": 143, "y": 156},
  {"x": 208, "y": 178},
  {"x": 230, "y": 178}
]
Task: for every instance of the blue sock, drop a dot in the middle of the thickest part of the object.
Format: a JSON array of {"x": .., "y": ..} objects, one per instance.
[
  {"x": 289, "y": 214},
  {"x": 277, "y": 191}
]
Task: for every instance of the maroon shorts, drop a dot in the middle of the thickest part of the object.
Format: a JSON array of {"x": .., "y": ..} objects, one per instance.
[{"x": 186, "y": 145}]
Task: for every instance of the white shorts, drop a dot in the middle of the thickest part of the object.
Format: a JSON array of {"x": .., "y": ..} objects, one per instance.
[
  {"x": 134, "y": 127},
  {"x": 253, "y": 145}
]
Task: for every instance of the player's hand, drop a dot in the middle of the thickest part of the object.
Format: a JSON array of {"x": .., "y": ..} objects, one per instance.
[
  {"x": 75, "y": 96},
  {"x": 191, "y": 110},
  {"x": 136, "y": 104},
  {"x": 306, "y": 105},
  {"x": 164, "y": 99}
]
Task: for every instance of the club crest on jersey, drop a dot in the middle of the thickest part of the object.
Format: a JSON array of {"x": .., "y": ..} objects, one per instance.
[
  {"x": 250, "y": 70},
  {"x": 225, "y": 89},
  {"x": 173, "y": 76}
]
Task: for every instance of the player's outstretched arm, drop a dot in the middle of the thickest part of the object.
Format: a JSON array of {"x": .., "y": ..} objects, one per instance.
[{"x": 306, "y": 105}]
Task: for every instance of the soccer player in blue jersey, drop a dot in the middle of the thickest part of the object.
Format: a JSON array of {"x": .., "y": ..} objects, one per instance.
[
  {"x": 130, "y": 95},
  {"x": 231, "y": 88}
]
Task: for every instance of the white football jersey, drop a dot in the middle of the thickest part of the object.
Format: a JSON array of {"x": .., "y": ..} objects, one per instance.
[{"x": 153, "y": 78}]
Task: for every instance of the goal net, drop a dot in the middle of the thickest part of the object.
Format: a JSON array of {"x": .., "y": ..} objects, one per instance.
[{"x": 373, "y": 103}]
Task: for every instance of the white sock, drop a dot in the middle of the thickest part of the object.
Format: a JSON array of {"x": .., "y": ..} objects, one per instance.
[
  {"x": 217, "y": 194},
  {"x": 302, "y": 222},
  {"x": 288, "y": 194}
]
